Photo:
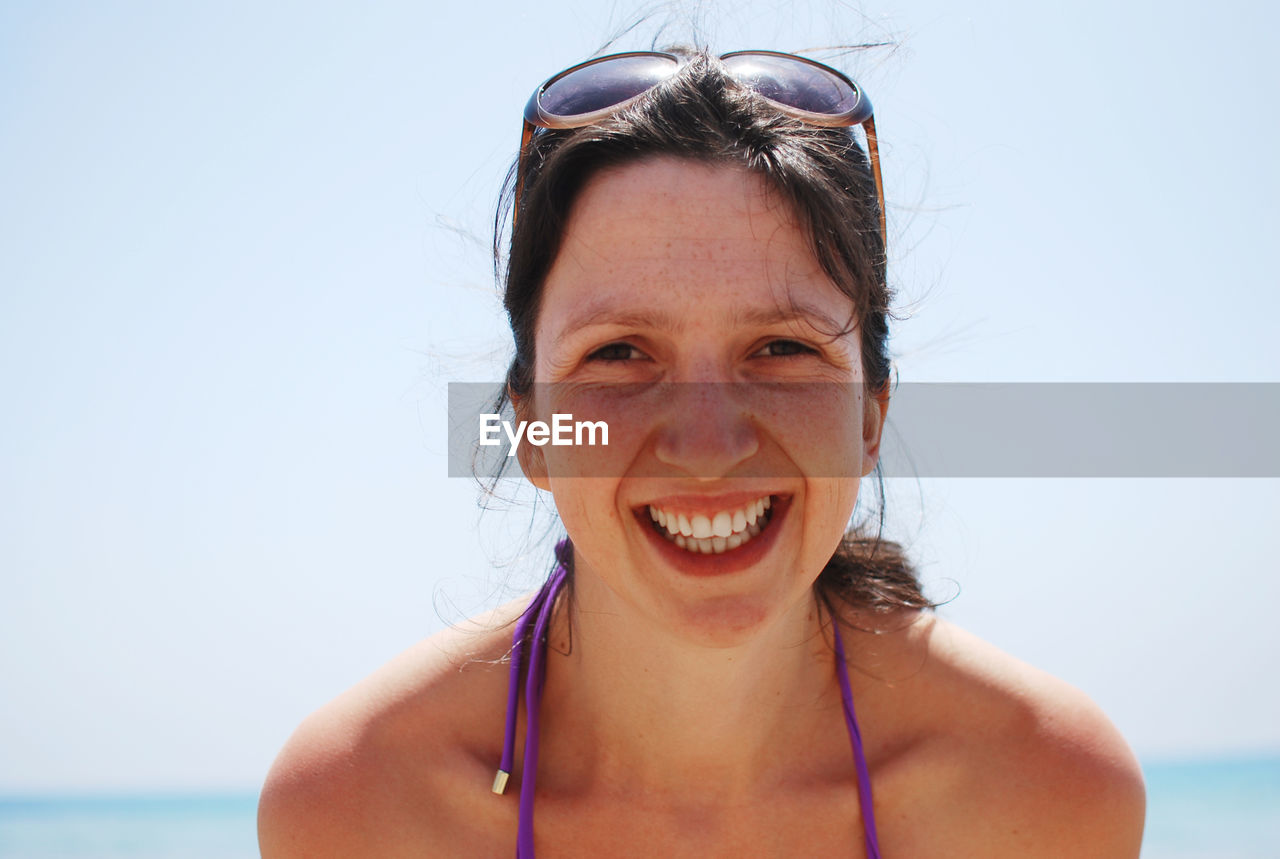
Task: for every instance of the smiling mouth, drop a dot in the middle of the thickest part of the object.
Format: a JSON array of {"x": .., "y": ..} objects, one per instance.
[{"x": 715, "y": 534}]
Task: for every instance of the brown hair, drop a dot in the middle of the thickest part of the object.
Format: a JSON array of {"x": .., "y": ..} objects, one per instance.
[{"x": 823, "y": 174}]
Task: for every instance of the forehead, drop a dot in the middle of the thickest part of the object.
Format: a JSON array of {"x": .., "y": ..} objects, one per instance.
[{"x": 676, "y": 237}]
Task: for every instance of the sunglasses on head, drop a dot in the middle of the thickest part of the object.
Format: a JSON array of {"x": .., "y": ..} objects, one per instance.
[{"x": 797, "y": 86}]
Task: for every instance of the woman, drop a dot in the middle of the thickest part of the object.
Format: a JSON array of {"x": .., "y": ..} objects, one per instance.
[{"x": 697, "y": 256}]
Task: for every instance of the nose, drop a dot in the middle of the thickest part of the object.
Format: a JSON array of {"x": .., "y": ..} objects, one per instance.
[{"x": 709, "y": 430}]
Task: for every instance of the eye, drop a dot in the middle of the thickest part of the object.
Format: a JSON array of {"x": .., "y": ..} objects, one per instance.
[
  {"x": 785, "y": 349},
  {"x": 616, "y": 352}
]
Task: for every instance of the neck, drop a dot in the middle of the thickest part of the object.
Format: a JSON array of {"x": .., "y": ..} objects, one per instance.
[{"x": 631, "y": 703}]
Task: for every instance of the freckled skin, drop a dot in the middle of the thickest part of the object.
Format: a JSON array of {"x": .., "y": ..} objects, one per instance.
[{"x": 702, "y": 245}]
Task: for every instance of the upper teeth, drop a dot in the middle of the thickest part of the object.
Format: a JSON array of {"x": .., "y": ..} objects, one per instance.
[{"x": 725, "y": 529}]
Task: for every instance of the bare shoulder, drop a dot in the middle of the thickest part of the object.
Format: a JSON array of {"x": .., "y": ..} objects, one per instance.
[
  {"x": 1013, "y": 761},
  {"x": 377, "y": 771}
]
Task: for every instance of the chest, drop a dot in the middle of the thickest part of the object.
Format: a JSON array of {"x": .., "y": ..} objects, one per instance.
[{"x": 805, "y": 824}]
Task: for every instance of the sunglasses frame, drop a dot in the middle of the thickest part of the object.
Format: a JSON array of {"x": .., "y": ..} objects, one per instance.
[{"x": 860, "y": 114}]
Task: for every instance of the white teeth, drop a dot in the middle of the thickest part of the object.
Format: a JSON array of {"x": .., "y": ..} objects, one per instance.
[{"x": 723, "y": 532}]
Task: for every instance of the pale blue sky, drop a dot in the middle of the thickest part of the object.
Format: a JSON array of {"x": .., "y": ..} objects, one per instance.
[{"x": 231, "y": 298}]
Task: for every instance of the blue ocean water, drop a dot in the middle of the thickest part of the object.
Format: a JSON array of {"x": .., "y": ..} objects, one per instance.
[
  {"x": 1195, "y": 810},
  {"x": 1227, "y": 809},
  {"x": 140, "y": 827}
]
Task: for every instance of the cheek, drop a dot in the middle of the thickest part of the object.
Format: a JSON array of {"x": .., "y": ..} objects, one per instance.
[
  {"x": 832, "y": 500},
  {"x": 589, "y": 515},
  {"x": 617, "y": 422},
  {"x": 585, "y": 505},
  {"x": 819, "y": 427}
]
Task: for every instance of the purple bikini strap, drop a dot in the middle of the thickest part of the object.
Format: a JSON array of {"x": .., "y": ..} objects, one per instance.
[
  {"x": 541, "y": 607},
  {"x": 859, "y": 757},
  {"x": 513, "y": 691},
  {"x": 532, "y": 701},
  {"x": 539, "y": 614}
]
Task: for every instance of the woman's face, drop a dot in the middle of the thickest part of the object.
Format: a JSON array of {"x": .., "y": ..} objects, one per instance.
[{"x": 687, "y": 310}]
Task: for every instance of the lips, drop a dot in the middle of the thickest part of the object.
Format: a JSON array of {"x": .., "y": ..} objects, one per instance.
[{"x": 702, "y": 557}]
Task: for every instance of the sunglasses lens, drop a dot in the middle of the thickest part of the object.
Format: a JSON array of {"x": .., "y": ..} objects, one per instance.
[
  {"x": 606, "y": 84},
  {"x": 793, "y": 83}
]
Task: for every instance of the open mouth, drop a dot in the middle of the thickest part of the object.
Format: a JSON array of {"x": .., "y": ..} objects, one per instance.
[{"x": 717, "y": 533}]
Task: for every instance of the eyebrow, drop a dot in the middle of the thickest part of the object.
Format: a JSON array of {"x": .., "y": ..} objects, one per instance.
[
  {"x": 795, "y": 311},
  {"x": 628, "y": 318},
  {"x": 665, "y": 320}
]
